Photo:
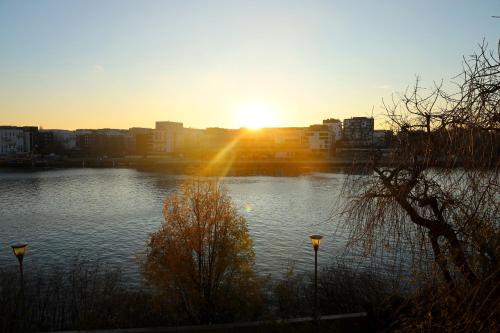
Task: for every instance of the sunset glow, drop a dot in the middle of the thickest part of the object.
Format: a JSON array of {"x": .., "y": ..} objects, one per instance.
[
  {"x": 256, "y": 115},
  {"x": 170, "y": 161},
  {"x": 224, "y": 64}
]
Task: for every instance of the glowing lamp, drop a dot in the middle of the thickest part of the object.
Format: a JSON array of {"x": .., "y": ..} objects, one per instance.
[{"x": 315, "y": 240}]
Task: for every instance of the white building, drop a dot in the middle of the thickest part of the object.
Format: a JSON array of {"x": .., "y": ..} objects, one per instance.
[
  {"x": 319, "y": 139},
  {"x": 167, "y": 137},
  {"x": 16, "y": 140}
]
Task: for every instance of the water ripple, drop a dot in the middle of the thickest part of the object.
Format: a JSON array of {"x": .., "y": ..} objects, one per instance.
[{"x": 109, "y": 213}]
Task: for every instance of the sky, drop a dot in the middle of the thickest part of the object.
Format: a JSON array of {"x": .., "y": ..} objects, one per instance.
[{"x": 120, "y": 64}]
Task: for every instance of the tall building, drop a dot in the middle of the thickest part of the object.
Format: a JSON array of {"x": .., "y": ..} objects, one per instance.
[
  {"x": 358, "y": 129},
  {"x": 167, "y": 137}
]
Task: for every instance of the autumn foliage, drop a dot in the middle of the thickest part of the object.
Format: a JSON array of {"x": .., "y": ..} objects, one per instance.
[{"x": 201, "y": 259}]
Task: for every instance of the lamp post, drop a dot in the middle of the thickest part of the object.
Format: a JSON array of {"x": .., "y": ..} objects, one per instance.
[
  {"x": 19, "y": 250},
  {"x": 315, "y": 240}
]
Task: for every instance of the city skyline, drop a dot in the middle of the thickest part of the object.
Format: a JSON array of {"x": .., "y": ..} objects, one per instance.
[
  {"x": 231, "y": 65},
  {"x": 332, "y": 138},
  {"x": 152, "y": 126}
]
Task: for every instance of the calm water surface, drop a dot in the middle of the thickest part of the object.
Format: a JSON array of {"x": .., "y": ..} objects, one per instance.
[{"x": 107, "y": 214}]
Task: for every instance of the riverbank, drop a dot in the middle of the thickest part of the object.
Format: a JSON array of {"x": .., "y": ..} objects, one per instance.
[
  {"x": 197, "y": 166},
  {"x": 91, "y": 296}
]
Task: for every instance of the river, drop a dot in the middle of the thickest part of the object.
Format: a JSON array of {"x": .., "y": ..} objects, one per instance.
[{"x": 107, "y": 215}]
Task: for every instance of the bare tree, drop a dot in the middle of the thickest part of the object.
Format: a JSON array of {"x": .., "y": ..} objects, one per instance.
[{"x": 439, "y": 194}]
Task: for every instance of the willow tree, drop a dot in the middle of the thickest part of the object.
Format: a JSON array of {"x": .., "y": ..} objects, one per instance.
[
  {"x": 201, "y": 259},
  {"x": 438, "y": 195}
]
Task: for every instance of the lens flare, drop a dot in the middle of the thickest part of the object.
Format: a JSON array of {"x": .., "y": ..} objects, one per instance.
[{"x": 248, "y": 207}]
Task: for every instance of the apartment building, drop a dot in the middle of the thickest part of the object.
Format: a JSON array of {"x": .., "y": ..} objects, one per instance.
[
  {"x": 167, "y": 137},
  {"x": 17, "y": 140},
  {"x": 358, "y": 130},
  {"x": 319, "y": 139}
]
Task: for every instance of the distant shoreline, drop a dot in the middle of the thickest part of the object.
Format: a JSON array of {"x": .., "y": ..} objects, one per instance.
[{"x": 196, "y": 166}]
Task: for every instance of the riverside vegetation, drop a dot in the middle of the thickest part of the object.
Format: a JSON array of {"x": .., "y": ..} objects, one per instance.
[{"x": 92, "y": 296}]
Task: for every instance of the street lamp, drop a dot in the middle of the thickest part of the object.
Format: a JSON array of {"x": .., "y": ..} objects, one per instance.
[
  {"x": 315, "y": 240},
  {"x": 19, "y": 250}
]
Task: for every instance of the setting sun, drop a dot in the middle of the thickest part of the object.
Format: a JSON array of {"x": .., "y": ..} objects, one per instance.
[{"x": 256, "y": 115}]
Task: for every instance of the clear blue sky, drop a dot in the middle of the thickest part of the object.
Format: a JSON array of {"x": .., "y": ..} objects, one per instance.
[{"x": 76, "y": 64}]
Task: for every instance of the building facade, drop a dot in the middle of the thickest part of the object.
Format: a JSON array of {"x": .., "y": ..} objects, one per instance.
[
  {"x": 17, "y": 140},
  {"x": 56, "y": 141},
  {"x": 190, "y": 142},
  {"x": 335, "y": 128},
  {"x": 140, "y": 141},
  {"x": 290, "y": 142},
  {"x": 358, "y": 130},
  {"x": 167, "y": 137},
  {"x": 319, "y": 139},
  {"x": 102, "y": 142}
]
